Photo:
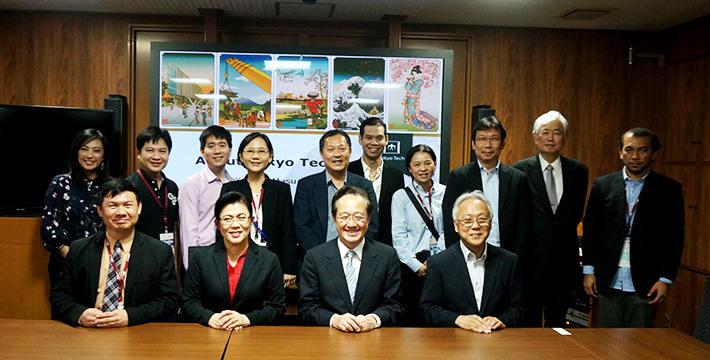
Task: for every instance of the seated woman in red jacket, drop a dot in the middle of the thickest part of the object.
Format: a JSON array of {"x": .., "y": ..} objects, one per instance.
[{"x": 233, "y": 283}]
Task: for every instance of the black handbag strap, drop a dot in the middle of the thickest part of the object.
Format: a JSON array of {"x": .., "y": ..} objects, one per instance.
[{"x": 429, "y": 223}]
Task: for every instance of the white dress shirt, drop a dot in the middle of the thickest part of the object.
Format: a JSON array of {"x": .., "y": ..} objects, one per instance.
[
  {"x": 556, "y": 174},
  {"x": 377, "y": 182},
  {"x": 476, "y": 271}
]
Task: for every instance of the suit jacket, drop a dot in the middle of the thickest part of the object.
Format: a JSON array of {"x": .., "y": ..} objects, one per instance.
[
  {"x": 657, "y": 233},
  {"x": 448, "y": 292},
  {"x": 324, "y": 291},
  {"x": 513, "y": 205},
  {"x": 392, "y": 180},
  {"x": 554, "y": 242},
  {"x": 310, "y": 209},
  {"x": 277, "y": 223},
  {"x": 151, "y": 284},
  {"x": 259, "y": 294}
]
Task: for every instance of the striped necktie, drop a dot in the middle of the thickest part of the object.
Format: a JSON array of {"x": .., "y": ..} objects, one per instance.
[{"x": 350, "y": 275}]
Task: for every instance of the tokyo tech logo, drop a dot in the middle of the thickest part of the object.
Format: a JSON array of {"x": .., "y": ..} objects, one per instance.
[{"x": 392, "y": 147}]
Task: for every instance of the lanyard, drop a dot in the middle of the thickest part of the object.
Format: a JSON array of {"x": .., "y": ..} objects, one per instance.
[
  {"x": 120, "y": 276},
  {"x": 428, "y": 214},
  {"x": 256, "y": 208},
  {"x": 630, "y": 215},
  {"x": 155, "y": 196}
]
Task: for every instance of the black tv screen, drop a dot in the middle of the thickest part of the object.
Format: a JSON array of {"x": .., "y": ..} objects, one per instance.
[{"x": 35, "y": 142}]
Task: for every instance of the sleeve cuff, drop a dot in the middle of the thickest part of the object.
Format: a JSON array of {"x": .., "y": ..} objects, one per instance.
[
  {"x": 377, "y": 320},
  {"x": 667, "y": 281},
  {"x": 588, "y": 270}
]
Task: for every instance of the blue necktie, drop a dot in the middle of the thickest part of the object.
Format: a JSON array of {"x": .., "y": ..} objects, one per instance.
[{"x": 350, "y": 275}]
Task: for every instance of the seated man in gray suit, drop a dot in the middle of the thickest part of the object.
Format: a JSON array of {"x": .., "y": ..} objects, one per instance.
[
  {"x": 352, "y": 284},
  {"x": 472, "y": 285}
]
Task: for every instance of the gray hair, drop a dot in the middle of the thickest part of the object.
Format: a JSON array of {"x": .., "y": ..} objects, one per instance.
[
  {"x": 548, "y": 117},
  {"x": 471, "y": 195}
]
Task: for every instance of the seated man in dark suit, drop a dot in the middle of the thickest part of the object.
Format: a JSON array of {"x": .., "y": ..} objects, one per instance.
[
  {"x": 470, "y": 284},
  {"x": 311, "y": 206},
  {"x": 352, "y": 284},
  {"x": 96, "y": 287}
]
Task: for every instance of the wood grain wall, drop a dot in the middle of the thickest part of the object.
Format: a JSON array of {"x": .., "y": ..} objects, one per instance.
[{"x": 71, "y": 59}]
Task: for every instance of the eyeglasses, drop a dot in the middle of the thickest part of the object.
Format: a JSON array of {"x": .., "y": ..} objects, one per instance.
[
  {"x": 261, "y": 152},
  {"x": 467, "y": 223},
  {"x": 492, "y": 140},
  {"x": 229, "y": 220},
  {"x": 358, "y": 218}
]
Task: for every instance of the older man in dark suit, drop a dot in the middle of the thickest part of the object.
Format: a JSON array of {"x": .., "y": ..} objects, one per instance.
[
  {"x": 471, "y": 284},
  {"x": 352, "y": 283},
  {"x": 558, "y": 186},
  {"x": 386, "y": 179},
  {"x": 96, "y": 287},
  {"x": 312, "y": 222},
  {"x": 633, "y": 235}
]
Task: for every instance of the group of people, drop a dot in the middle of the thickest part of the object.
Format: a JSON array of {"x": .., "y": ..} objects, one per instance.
[{"x": 496, "y": 247}]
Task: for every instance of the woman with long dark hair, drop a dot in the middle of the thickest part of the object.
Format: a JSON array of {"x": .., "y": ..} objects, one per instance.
[{"x": 69, "y": 206}]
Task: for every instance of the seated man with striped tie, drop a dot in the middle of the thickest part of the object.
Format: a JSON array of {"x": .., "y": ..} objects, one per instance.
[
  {"x": 97, "y": 288},
  {"x": 351, "y": 283}
]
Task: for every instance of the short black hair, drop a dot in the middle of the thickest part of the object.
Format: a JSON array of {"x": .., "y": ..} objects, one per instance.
[
  {"x": 372, "y": 121},
  {"x": 231, "y": 197},
  {"x": 415, "y": 149},
  {"x": 75, "y": 171},
  {"x": 114, "y": 187},
  {"x": 642, "y": 132},
  {"x": 487, "y": 123},
  {"x": 332, "y": 133},
  {"x": 153, "y": 134},
  {"x": 218, "y": 132},
  {"x": 248, "y": 139},
  {"x": 350, "y": 190}
]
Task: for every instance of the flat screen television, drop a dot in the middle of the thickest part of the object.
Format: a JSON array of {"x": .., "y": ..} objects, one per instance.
[
  {"x": 35, "y": 142},
  {"x": 295, "y": 94}
]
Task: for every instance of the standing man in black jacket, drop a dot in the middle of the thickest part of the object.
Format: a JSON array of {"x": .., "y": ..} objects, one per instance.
[
  {"x": 558, "y": 187},
  {"x": 385, "y": 178}
]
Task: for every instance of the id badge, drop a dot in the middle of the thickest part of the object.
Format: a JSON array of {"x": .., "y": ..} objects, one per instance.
[
  {"x": 168, "y": 238},
  {"x": 625, "y": 260}
]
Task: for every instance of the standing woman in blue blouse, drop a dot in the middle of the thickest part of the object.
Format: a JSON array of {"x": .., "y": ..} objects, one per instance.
[
  {"x": 412, "y": 236},
  {"x": 69, "y": 206}
]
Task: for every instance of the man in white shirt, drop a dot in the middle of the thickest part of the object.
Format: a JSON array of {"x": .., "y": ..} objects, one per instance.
[{"x": 473, "y": 285}]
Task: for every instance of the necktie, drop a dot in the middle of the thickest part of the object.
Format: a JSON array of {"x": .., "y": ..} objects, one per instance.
[
  {"x": 112, "y": 289},
  {"x": 350, "y": 275},
  {"x": 551, "y": 189}
]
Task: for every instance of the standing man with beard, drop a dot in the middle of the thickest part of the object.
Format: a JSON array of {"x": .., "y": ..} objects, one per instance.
[
  {"x": 385, "y": 178},
  {"x": 633, "y": 235}
]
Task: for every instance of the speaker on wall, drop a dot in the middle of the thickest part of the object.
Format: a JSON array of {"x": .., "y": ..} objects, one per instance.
[{"x": 119, "y": 141}]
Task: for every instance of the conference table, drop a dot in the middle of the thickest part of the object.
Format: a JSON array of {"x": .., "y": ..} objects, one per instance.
[{"x": 46, "y": 339}]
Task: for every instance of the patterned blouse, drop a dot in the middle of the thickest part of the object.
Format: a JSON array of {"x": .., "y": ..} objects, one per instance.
[{"x": 69, "y": 212}]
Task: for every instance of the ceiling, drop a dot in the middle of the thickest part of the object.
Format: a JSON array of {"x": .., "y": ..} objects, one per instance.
[{"x": 642, "y": 15}]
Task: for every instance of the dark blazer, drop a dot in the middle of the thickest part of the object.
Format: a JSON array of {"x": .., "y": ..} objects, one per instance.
[
  {"x": 448, "y": 292},
  {"x": 554, "y": 242},
  {"x": 151, "y": 284},
  {"x": 277, "y": 224},
  {"x": 657, "y": 233},
  {"x": 513, "y": 205},
  {"x": 310, "y": 209},
  {"x": 259, "y": 295},
  {"x": 324, "y": 291},
  {"x": 392, "y": 180}
]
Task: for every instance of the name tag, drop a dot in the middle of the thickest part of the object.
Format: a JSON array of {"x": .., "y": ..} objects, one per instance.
[
  {"x": 168, "y": 238},
  {"x": 625, "y": 260}
]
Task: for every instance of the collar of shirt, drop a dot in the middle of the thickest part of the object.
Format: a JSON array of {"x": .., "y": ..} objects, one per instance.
[
  {"x": 366, "y": 169},
  {"x": 639, "y": 181},
  {"x": 329, "y": 180},
  {"x": 465, "y": 250},
  {"x": 484, "y": 171},
  {"x": 557, "y": 164},
  {"x": 210, "y": 177},
  {"x": 344, "y": 249}
]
